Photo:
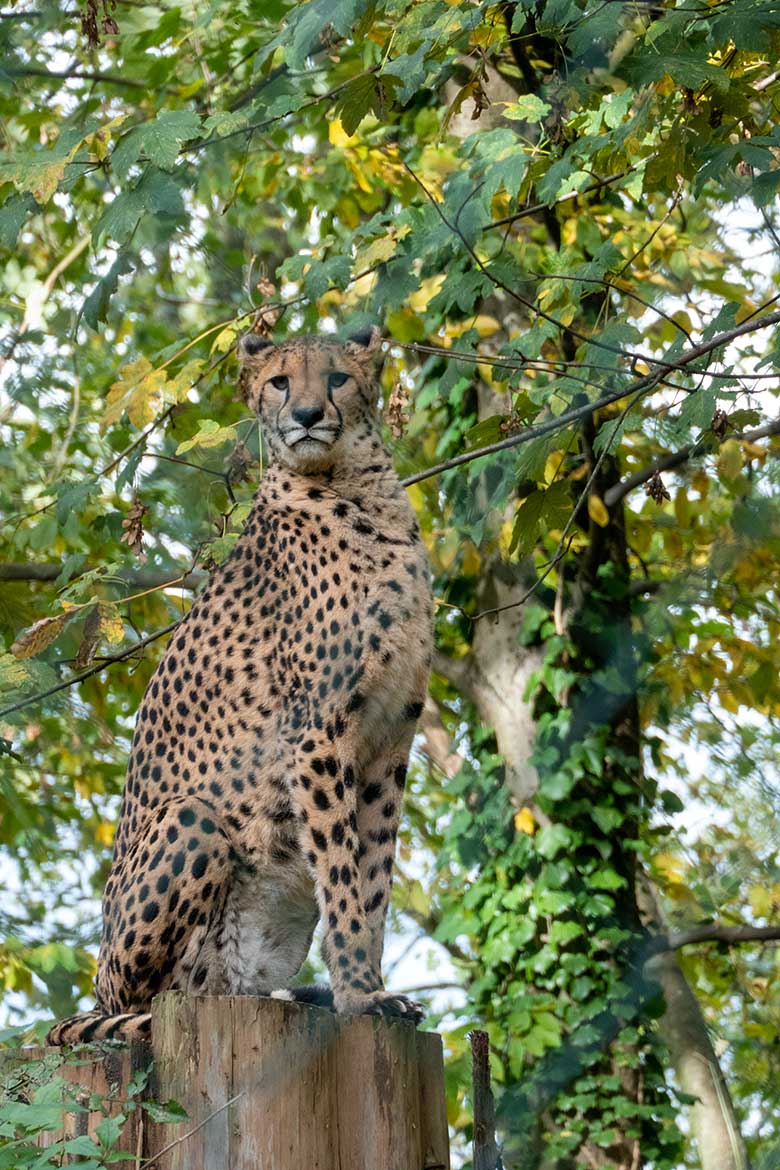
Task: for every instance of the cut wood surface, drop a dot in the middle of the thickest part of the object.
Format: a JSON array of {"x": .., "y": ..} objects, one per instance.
[{"x": 271, "y": 1085}]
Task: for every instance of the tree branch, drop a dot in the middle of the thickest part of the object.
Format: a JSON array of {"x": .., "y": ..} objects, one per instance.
[
  {"x": 677, "y": 458},
  {"x": 78, "y": 75},
  {"x": 639, "y": 387},
  {"x": 715, "y": 933},
  {"x": 137, "y": 578},
  {"x": 538, "y": 208},
  {"x": 436, "y": 741},
  {"x": 96, "y": 669}
]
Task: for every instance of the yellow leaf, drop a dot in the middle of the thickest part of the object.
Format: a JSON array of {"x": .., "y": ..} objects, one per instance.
[
  {"x": 485, "y": 326},
  {"x": 552, "y": 466},
  {"x": 111, "y": 624},
  {"x": 39, "y": 636},
  {"x": 753, "y": 450},
  {"x": 471, "y": 560},
  {"x": 104, "y": 833},
  {"x": 764, "y": 900},
  {"x": 225, "y": 338},
  {"x": 669, "y": 866},
  {"x": 730, "y": 459},
  {"x": 209, "y": 434},
  {"x": 446, "y": 550},
  {"x": 177, "y": 389},
  {"x": 701, "y": 482},
  {"x": 597, "y": 511},
  {"x": 338, "y": 136},
  {"x": 376, "y": 252},
  {"x": 428, "y": 289},
  {"x": 524, "y": 822},
  {"x": 358, "y": 171},
  {"x": 143, "y": 391},
  {"x": 100, "y": 140},
  {"x": 681, "y": 507},
  {"x": 137, "y": 391}
]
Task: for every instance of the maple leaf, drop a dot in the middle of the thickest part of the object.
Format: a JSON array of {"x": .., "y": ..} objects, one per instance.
[{"x": 143, "y": 391}]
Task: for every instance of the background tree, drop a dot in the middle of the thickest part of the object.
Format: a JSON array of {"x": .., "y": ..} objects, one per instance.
[{"x": 562, "y": 213}]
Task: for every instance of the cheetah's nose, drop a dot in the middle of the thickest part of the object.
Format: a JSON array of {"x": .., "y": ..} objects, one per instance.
[{"x": 307, "y": 416}]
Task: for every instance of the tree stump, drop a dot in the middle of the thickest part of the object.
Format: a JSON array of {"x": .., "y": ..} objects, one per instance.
[{"x": 271, "y": 1085}]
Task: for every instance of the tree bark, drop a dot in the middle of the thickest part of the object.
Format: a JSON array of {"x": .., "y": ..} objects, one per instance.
[{"x": 714, "y": 1122}]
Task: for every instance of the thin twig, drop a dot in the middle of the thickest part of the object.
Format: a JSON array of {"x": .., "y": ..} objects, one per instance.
[
  {"x": 669, "y": 211},
  {"x": 676, "y": 458},
  {"x": 637, "y": 388},
  {"x": 539, "y": 207},
  {"x": 190, "y": 1133}
]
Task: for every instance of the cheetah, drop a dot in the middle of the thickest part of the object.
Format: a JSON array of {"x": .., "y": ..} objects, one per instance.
[{"x": 268, "y": 764}]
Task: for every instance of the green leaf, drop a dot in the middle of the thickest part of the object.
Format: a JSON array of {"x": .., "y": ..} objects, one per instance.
[
  {"x": 544, "y": 510},
  {"x": 13, "y": 214},
  {"x": 165, "y": 1113},
  {"x": 109, "y": 1129},
  {"x": 528, "y": 108},
  {"x": 159, "y": 141},
  {"x": 209, "y": 434},
  {"x": 73, "y": 496},
  {"x": 551, "y": 839},
  {"x": 155, "y": 193},
  {"x": 355, "y": 102},
  {"x": 95, "y": 307},
  {"x": 605, "y": 878}
]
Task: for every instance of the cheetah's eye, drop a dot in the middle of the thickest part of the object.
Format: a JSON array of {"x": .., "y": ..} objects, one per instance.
[
  {"x": 336, "y": 380},
  {"x": 280, "y": 382}
]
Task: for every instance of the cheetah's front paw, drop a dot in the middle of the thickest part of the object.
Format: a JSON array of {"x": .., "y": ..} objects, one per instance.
[{"x": 382, "y": 1003}]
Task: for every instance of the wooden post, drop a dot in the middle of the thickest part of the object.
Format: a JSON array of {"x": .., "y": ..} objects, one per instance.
[
  {"x": 271, "y": 1085},
  {"x": 485, "y": 1150}
]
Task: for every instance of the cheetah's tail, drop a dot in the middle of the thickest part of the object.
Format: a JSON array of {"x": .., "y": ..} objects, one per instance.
[
  {"x": 95, "y": 1025},
  {"x": 86, "y": 1027},
  {"x": 315, "y": 994}
]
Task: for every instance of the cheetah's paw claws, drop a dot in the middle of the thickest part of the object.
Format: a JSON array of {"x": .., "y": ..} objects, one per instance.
[{"x": 395, "y": 1007}]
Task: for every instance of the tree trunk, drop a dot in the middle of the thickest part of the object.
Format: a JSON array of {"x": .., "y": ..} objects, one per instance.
[{"x": 714, "y": 1123}]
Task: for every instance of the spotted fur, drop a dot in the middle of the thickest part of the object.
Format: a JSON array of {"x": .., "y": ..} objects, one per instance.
[{"x": 268, "y": 764}]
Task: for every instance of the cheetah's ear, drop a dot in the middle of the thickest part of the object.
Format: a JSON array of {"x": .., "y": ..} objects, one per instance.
[
  {"x": 252, "y": 344},
  {"x": 365, "y": 344},
  {"x": 251, "y": 350}
]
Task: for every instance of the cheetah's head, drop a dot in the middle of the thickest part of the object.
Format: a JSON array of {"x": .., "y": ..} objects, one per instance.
[{"x": 316, "y": 397}]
